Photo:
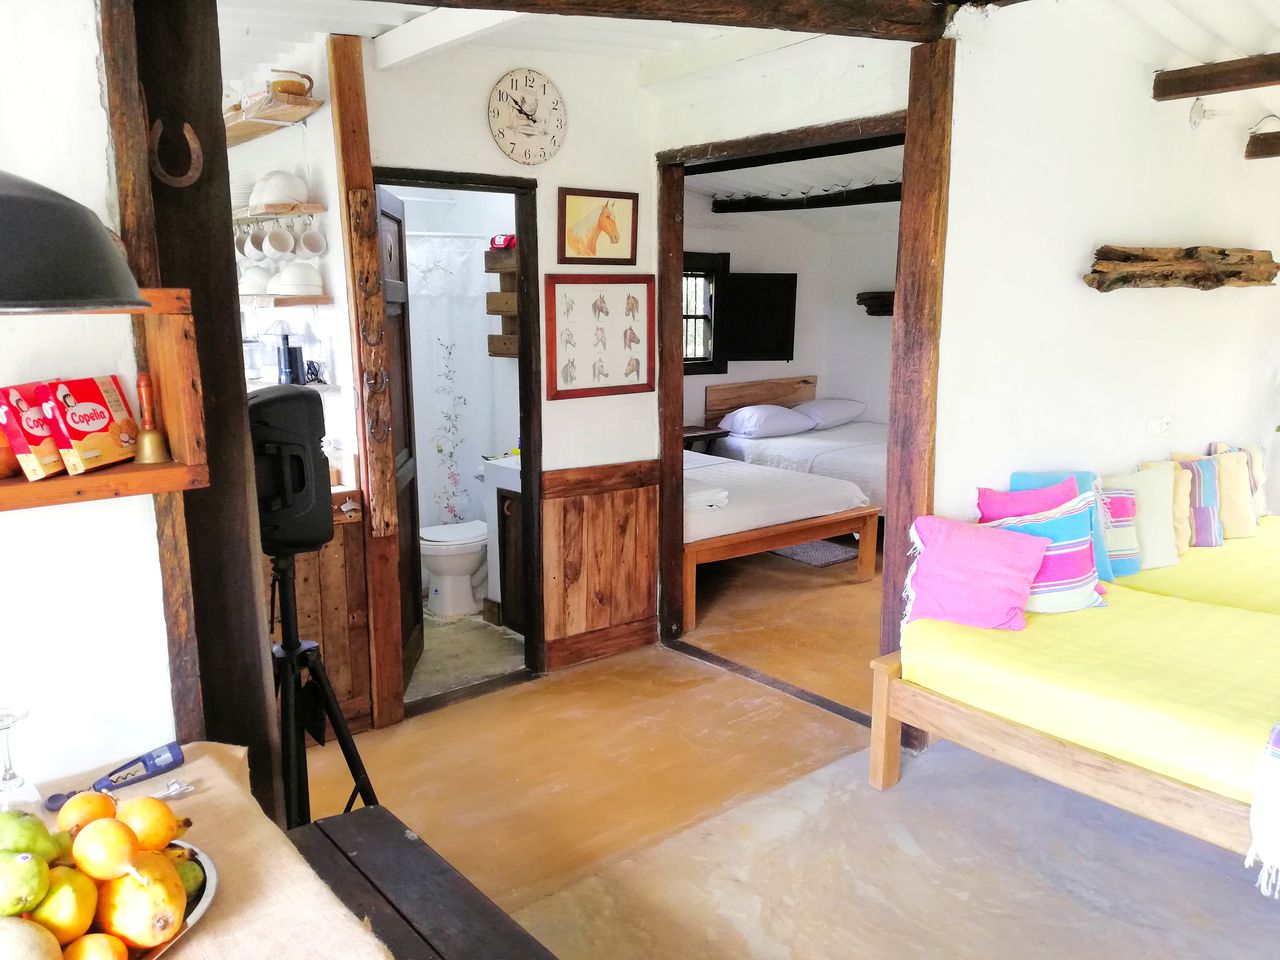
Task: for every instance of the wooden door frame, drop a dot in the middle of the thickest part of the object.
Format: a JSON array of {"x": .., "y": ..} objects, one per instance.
[
  {"x": 916, "y": 322},
  {"x": 529, "y": 321}
]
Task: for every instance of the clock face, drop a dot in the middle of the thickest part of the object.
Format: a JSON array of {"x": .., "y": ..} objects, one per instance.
[{"x": 527, "y": 117}]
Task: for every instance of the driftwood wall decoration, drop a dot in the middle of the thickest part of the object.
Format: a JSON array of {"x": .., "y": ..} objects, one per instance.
[
  {"x": 877, "y": 303},
  {"x": 1204, "y": 268}
]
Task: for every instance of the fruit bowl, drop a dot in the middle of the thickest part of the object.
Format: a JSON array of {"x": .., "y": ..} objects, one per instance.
[{"x": 198, "y": 905}]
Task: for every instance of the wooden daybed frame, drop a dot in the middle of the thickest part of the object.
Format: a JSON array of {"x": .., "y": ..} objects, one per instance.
[
  {"x": 722, "y": 399},
  {"x": 1201, "y": 813}
]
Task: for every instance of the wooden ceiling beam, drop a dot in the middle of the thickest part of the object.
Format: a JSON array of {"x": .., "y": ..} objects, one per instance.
[
  {"x": 916, "y": 21},
  {"x": 1248, "y": 73},
  {"x": 876, "y": 193},
  {"x": 1262, "y": 145}
]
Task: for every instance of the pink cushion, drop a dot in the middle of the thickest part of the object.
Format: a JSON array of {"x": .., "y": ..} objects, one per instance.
[
  {"x": 978, "y": 576},
  {"x": 1002, "y": 504}
]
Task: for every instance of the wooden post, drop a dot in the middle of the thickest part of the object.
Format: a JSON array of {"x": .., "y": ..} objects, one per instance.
[
  {"x": 359, "y": 210},
  {"x": 886, "y": 732},
  {"x": 675, "y": 578},
  {"x": 917, "y": 316}
]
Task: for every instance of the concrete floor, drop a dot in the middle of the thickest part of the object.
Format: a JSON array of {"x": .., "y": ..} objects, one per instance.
[
  {"x": 457, "y": 653},
  {"x": 807, "y": 625},
  {"x": 965, "y": 858}
]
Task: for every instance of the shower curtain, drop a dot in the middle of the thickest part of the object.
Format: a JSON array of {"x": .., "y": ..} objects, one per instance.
[{"x": 452, "y": 373}]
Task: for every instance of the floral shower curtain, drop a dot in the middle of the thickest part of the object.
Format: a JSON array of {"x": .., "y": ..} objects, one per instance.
[{"x": 452, "y": 374}]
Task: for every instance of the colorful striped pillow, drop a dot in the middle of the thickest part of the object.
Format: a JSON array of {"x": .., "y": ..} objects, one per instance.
[
  {"x": 1086, "y": 482},
  {"x": 1206, "y": 526},
  {"x": 1121, "y": 529},
  {"x": 1068, "y": 576}
]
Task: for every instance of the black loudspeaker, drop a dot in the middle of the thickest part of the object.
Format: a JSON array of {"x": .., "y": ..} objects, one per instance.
[{"x": 295, "y": 511}]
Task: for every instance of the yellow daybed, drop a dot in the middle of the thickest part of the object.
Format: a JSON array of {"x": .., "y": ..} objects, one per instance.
[{"x": 1155, "y": 704}]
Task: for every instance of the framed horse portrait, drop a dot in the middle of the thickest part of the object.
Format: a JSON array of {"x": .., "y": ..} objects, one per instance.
[
  {"x": 598, "y": 226},
  {"x": 600, "y": 334}
]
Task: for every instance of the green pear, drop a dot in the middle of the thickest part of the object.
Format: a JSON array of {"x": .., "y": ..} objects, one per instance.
[
  {"x": 23, "y": 833},
  {"x": 30, "y": 941},
  {"x": 192, "y": 876},
  {"x": 24, "y": 880}
]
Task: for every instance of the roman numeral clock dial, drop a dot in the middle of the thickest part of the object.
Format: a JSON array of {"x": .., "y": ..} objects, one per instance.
[{"x": 527, "y": 116}]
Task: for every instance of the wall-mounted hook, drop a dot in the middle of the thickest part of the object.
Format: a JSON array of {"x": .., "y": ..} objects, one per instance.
[{"x": 194, "y": 168}]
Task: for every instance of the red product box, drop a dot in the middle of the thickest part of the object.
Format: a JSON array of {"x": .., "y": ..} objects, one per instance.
[
  {"x": 90, "y": 421},
  {"x": 27, "y": 430}
]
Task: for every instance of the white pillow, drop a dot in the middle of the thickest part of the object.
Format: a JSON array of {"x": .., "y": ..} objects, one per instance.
[
  {"x": 1154, "y": 520},
  {"x": 831, "y": 411},
  {"x": 765, "y": 420}
]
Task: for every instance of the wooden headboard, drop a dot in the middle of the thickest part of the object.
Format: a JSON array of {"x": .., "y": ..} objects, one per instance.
[{"x": 785, "y": 392}]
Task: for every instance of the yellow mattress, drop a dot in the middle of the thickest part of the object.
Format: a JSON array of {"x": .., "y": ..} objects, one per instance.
[
  {"x": 1186, "y": 689},
  {"x": 1241, "y": 573}
]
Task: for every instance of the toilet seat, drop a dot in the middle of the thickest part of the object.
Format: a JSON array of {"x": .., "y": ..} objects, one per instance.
[{"x": 455, "y": 534}]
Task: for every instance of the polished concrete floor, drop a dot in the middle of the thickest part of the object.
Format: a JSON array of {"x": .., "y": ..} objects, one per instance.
[
  {"x": 529, "y": 789},
  {"x": 457, "y": 653},
  {"x": 966, "y": 859},
  {"x": 806, "y": 625}
]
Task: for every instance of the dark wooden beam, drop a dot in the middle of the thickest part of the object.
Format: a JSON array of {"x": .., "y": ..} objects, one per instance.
[
  {"x": 917, "y": 317},
  {"x": 671, "y": 400},
  {"x": 1248, "y": 73},
  {"x": 734, "y": 154},
  {"x": 1262, "y": 146},
  {"x": 913, "y": 20},
  {"x": 191, "y": 229},
  {"x": 838, "y": 149},
  {"x": 876, "y": 193}
]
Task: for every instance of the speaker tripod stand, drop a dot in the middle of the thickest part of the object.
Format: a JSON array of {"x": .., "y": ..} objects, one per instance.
[{"x": 304, "y": 707}]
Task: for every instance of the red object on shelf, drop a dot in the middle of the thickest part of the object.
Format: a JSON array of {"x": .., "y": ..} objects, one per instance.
[{"x": 503, "y": 241}]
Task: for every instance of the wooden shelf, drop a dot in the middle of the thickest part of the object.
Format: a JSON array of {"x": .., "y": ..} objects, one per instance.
[
  {"x": 501, "y": 261},
  {"x": 270, "y": 211},
  {"x": 267, "y": 113},
  {"x": 271, "y": 300},
  {"x": 121, "y": 480},
  {"x": 504, "y": 345},
  {"x": 877, "y": 303}
]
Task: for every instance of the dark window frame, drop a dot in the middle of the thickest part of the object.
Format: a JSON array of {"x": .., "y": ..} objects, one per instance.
[{"x": 716, "y": 267}]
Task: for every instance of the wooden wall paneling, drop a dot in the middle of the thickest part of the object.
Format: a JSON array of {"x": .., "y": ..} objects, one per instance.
[
  {"x": 137, "y": 229},
  {"x": 602, "y": 564},
  {"x": 357, "y": 607},
  {"x": 913, "y": 20},
  {"x": 624, "y": 521},
  {"x": 359, "y": 211},
  {"x": 307, "y": 580},
  {"x": 917, "y": 316},
  {"x": 191, "y": 225},
  {"x": 334, "y": 623},
  {"x": 600, "y": 479},
  {"x": 646, "y": 553},
  {"x": 671, "y": 397}
]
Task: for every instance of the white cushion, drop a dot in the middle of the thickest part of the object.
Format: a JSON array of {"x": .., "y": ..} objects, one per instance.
[
  {"x": 831, "y": 411},
  {"x": 1154, "y": 519},
  {"x": 765, "y": 420}
]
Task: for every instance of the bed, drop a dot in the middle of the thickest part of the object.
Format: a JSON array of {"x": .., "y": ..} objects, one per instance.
[
  {"x": 855, "y": 451},
  {"x": 765, "y": 509},
  {"x": 1156, "y": 704}
]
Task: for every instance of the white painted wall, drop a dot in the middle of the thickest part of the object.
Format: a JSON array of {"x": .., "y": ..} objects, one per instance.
[
  {"x": 835, "y": 254},
  {"x": 82, "y": 637},
  {"x": 1057, "y": 148}
]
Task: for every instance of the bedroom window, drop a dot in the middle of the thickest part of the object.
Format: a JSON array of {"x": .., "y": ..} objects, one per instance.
[{"x": 703, "y": 272}]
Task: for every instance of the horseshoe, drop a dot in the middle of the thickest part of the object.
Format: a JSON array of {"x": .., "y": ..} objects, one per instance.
[
  {"x": 376, "y": 383},
  {"x": 365, "y": 331},
  {"x": 375, "y": 434},
  {"x": 194, "y": 168},
  {"x": 370, "y": 285}
]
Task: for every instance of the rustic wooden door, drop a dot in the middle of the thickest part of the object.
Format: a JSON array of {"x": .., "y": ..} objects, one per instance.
[{"x": 399, "y": 381}]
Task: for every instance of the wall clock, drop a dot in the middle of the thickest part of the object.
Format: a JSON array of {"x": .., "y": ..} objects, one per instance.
[{"x": 527, "y": 116}]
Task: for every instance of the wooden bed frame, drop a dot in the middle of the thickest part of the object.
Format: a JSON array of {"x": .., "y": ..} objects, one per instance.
[
  {"x": 863, "y": 521},
  {"x": 1201, "y": 813},
  {"x": 724, "y": 398}
]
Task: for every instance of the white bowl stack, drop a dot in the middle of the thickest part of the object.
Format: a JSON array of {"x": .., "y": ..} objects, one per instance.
[{"x": 296, "y": 279}]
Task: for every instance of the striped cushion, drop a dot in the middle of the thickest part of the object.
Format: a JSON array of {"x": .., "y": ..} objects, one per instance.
[
  {"x": 1068, "y": 577},
  {"x": 1121, "y": 528},
  {"x": 1206, "y": 526}
]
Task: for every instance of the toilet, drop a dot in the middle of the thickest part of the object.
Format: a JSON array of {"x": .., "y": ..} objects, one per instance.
[{"x": 452, "y": 555}]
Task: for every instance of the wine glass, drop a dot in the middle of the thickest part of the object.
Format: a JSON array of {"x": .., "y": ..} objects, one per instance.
[{"x": 15, "y": 792}]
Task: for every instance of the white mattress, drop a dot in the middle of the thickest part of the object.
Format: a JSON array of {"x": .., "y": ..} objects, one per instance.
[
  {"x": 855, "y": 452},
  {"x": 761, "y": 497}
]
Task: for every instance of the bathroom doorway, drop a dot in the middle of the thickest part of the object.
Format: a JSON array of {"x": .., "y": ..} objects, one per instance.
[{"x": 465, "y": 348}]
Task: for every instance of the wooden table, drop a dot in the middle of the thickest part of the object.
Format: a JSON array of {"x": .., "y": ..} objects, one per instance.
[
  {"x": 707, "y": 435},
  {"x": 416, "y": 903}
]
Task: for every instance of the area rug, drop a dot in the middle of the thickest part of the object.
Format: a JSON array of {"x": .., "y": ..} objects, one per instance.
[
  {"x": 819, "y": 553},
  {"x": 966, "y": 859}
]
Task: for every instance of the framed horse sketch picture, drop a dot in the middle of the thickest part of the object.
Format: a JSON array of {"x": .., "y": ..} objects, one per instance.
[
  {"x": 600, "y": 334},
  {"x": 598, "y": 226}
]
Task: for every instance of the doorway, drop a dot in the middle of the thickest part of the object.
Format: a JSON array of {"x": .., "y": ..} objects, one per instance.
[{"x": 462, "y": 363}]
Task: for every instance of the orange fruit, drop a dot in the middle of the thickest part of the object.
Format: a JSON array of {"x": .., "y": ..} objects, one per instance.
[
  {"x": 67, "y": 909},
  {"x": 96, "y": 946},
  {"x": 105, "y": 849},
  {"x": 144, "y": 910},
  {"x": 152, "y": 821},
  {"x": 83, "y": 808}
]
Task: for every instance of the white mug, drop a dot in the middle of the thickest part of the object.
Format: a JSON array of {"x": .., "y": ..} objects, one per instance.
[
  {"x": 242, "y": 237},
  {"x": 278, "y": 243},
  {"x": 253, "y": 244},
  {"x": 311, "y": 243}
]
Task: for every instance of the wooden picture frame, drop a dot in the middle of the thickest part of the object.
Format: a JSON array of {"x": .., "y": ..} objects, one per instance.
[
  {"x": 597, "y": 227},
  {"x": 592, "y": 319}
]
